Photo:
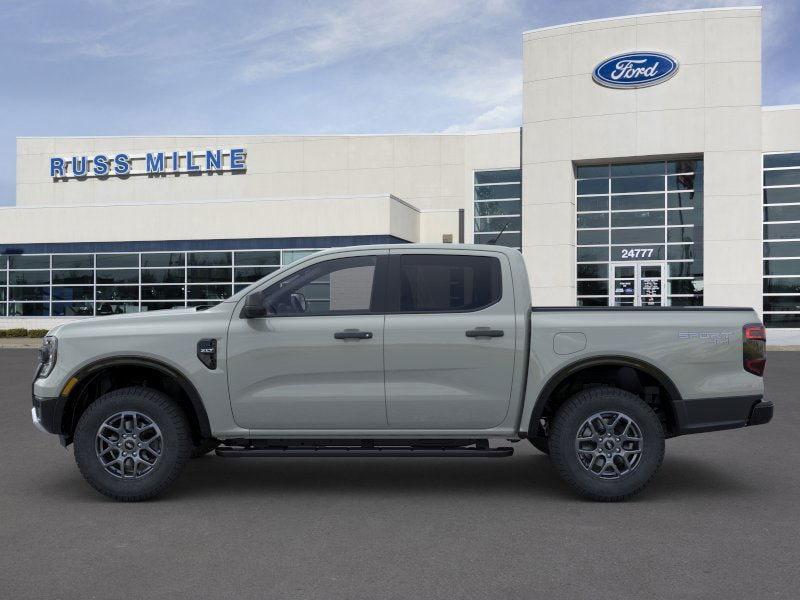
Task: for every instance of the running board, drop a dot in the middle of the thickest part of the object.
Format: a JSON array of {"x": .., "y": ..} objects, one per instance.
[{"x": 344, "y": 451}]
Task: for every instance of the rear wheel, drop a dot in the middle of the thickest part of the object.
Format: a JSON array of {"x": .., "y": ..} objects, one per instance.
[
  {"x": 131, "y": 443},
  {"x": 606, "y": 443}
]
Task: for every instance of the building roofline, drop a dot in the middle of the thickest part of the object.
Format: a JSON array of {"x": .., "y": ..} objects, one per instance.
[
  {"x": 781, "y": 107},
  {"x": 650, "y": 14},
  {"x": 265, "y": 135}
]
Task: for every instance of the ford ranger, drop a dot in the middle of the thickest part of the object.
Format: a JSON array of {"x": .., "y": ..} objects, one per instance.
[{"x": 396, "y": 351}]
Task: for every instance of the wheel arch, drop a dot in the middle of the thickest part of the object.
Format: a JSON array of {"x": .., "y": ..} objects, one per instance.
[
  {"x": 613, "y": 364},
  {"x": 111, "y": 373}
]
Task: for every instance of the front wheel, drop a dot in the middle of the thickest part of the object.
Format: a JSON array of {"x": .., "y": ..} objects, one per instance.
[
  {"x": 606, "y": 443},
  {"x": 131, "y": 443}
]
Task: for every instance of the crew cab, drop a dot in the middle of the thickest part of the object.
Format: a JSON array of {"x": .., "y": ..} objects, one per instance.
[{"x": 396, "y": 350}]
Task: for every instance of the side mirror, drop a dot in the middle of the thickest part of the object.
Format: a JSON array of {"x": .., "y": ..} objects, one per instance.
[
  {"x": 253, "y": 307},
  {"x": 298, "y": 302}
]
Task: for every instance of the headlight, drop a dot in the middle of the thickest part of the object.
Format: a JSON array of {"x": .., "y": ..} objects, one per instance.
[{"x": 47, "y": 356}]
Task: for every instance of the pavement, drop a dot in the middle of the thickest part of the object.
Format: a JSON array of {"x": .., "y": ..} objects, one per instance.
[{"x": 721, "y": 520}]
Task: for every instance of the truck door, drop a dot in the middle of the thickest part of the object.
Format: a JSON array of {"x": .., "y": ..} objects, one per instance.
[
  {"x": 449, "y": 341},
  {"x": 315, "y": 362}
]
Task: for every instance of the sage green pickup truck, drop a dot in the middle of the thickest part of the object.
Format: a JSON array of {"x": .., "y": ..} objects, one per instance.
[{"x": 396, "y": 351}]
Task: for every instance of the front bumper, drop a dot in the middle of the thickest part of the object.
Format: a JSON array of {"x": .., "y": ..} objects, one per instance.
[
  {"x": 47, "y": 414},
  {"x": 715, "y": 414}
]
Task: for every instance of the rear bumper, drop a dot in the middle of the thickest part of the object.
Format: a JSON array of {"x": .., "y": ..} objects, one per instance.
[{"x": 715, "y": 414}]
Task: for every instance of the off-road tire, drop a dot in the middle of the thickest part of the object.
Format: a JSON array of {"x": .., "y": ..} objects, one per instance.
[
  {"x": 204, "y": 447},
  {"x": 569, "y": 419},
  {"x": 175, "y": 451}
]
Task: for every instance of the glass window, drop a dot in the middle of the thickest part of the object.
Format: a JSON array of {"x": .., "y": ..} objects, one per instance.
[
  {"x": 163, "y": 275},
  {"x": 596, "y": 203},
  {"x": 592, "y": 271},
  {"x": 117, "y": 292},
  {"x": 250, "y": 274},
  {"x": 684, "y": 166},
  {"x": 489, "y": 209},
  {"x": 782, "y": 249},
  {"x": 637, "y": 202},
  {"x": 2, "y": 277},
  {"x": 790, "y": 320},
  {"x": 29, "y": 261},
  {"x": 209, "y": 275},
  {"x": 592, "y": 254},
  {"x": 685, "y": 200},
  {"x": 782, "y": 285},
  {"x": 258, "y": 257},
  {"x": 162, "y": 292},
  {"x": 484, "y": 224},
  {"x": 494, "y": 192},
  {"x": 442, "y": 283},
  {"x": 684, "y": 217},
  {"x": 593, "y": 220},
  {"x": 784, "y": 231},
  {"x": 790, "y": 159},
  {"x": 637, "y": 218},
  {"x": 118, "y": 276},
  {"x": 683, "y": 182},
  {"x": 782, "y": 195},
  {"x": 73, "y": 261},
  {"x": 782, "y": 213},
  {"x": 209, "y": 259},
  {"x": 651, "y": 168},
  {"x": 29, "y": 293},
  {"x": 593, "y": 301},
  {"x": 593, "y": 288},
  {"x": 637, "y": 236},
  {"x": 637, "y": 184},
  {"x": 593, "y": 236},
  {"x": 680, "y": 251},
  {"x": 685, "y": 286},
  {"x": 782, "y": 303},
  {"x": 587, "y": 171},
  {"x": 505, "y": 175},
  {"x": 290, "y": 256},
  {"x": 116, "y": 308},
  {"x": 341, "y": 285},
  {"x": 28, "y": 309},
  {"x": 72, "y": 292},
  {"x": 788, "y": 177},
  {"x": 686, "y": 300},
  {"x": 164, "y": 259},
  {"x": 61, "y": 277},
  {"x": 29, "y": 277},
  {"x": 73, "y": 309},
  {"x": 680, "y": 234},
  {"x": 209, "y": 292},
  {"x": 113, "y": 261},
  {"x": 782, "y": 267},
  {"x": 512, "y": 240},
  {"x": 592, "y": 186}
]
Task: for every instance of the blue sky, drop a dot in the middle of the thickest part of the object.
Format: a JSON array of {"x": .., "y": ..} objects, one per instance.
[{"x": 152, "y": 67}]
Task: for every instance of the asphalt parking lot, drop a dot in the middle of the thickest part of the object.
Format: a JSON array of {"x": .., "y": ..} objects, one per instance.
[{"x": 721, "y": 520}]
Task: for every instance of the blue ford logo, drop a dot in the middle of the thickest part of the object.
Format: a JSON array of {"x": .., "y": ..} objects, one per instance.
[{"x": 635, "y": 70}]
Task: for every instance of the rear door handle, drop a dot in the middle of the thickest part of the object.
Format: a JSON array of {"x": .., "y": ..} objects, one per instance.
[
  {"x": 484, "y": 332},
  {"x": 353, "y": 335}
]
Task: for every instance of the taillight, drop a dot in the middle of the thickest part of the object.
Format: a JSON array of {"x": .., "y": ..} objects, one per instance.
[{"x": 754, "y": 348}]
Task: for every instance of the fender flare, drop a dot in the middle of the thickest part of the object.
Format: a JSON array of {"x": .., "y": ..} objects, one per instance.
[
  {"x": 675, "y": 399},
  {"x": 83, "y": 374}
]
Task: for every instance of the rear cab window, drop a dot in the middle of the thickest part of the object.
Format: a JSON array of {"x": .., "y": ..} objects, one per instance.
[{"x": 443, "y": 283}]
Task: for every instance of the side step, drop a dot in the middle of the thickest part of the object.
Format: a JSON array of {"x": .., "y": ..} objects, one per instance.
[{"x": 355, "y": 451}]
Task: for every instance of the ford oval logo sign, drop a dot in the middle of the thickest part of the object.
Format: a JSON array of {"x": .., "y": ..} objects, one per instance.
[{"x": 635, "y": 70}]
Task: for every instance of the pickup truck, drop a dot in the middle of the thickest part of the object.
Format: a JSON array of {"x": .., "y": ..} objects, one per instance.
[{"x": 396, "y": 351}]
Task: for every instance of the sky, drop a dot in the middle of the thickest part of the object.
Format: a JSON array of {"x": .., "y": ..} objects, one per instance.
[{"x": 172, "y": 67}]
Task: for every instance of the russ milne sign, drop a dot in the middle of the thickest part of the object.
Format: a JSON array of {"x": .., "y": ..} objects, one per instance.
[
  {"x": 152, "y": 163},
  {"x": 635, "y": 70}
]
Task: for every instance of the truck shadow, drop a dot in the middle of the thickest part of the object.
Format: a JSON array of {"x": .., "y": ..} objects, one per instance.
[{"x": 529, "y": 476}]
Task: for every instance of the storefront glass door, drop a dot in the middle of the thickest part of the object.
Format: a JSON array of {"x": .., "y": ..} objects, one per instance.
[{"x": 637, "y": 284}]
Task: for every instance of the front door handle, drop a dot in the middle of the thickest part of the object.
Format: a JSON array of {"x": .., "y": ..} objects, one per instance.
[
  {"x": 484, "y": 332},
  {"x": 352, "y": 334}
]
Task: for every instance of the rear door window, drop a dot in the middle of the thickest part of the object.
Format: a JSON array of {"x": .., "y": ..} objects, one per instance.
[{"x": 444, "y": 283}]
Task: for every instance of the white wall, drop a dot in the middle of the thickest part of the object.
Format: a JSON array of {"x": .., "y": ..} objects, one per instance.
[{"x": 712, "y": 106}]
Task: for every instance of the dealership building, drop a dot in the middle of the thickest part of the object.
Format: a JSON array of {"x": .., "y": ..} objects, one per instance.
[{"x": 645, "y": 172}]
